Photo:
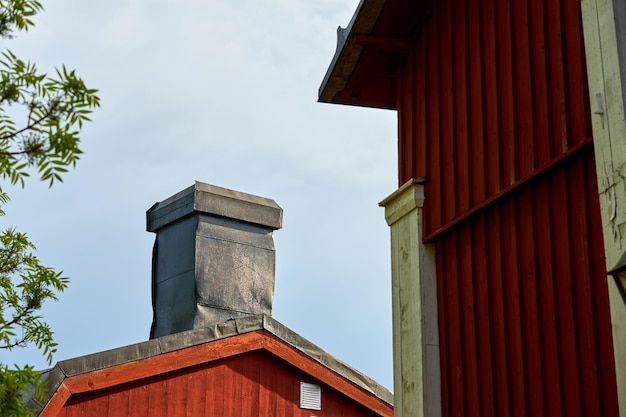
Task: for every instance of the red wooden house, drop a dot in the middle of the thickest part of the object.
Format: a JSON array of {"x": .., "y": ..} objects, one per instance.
[
  {"x": 501, "y": 295},
  {"x": 214, "y": 349}
]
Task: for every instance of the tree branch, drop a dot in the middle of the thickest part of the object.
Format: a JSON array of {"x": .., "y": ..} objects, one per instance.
[
  {"x": 15, "y": 344},
  {"x": 18, "y": 318},
  {"x": 21, "y": 152},
  {"x": 29, "y": 126}
]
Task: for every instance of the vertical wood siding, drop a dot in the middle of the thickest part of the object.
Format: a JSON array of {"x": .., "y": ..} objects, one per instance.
[
  {"x": 523, "y": 304},
  {"x": 253, "y": 384},
  {"x": 493, "y": 110},
  {"x": 494, "y": 92}
]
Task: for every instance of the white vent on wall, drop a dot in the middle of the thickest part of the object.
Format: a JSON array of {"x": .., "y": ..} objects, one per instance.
[{"x": 310, "y": 396}]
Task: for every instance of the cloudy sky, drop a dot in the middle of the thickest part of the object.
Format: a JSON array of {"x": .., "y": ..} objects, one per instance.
[{"x": 224, "y": 92}]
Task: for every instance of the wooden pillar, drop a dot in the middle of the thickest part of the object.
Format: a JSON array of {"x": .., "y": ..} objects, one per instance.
[
  {"x": 605, "y": 31},
  {"x": 417, "y": 379}
]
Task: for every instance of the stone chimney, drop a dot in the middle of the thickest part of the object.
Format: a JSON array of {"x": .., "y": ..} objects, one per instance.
[{"x": 213, "y": 257}]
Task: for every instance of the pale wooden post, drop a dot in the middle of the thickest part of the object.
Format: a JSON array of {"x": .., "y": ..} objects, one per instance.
[
  {"x": 417, "y": 379},
  {"x": 601, "y": 25}
]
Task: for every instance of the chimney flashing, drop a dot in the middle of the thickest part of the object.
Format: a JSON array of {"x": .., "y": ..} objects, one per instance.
[{"x": 213, "y": 257}]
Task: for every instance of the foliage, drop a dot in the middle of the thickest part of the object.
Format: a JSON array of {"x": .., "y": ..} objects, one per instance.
[
  {"x": 14, "y": 382},
  {"x": 16, "y": 14},
  {"x": 40, "y": 120},
  {"x": 51, "y": 110},
  {"x": 24, "y": 285}
]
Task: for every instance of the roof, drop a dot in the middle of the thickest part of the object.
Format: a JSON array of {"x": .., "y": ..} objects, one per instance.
[
  {"x": 181, "y": 350},
  {"x": 369, "y": 52}
]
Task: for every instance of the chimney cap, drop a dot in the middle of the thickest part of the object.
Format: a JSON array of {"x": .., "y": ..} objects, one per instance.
[{"x": 218, "y": 201}]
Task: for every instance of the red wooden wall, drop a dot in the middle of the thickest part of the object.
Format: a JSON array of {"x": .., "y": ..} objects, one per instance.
[
  {"x": 493, "y": 110},
  {"x": 251, "y": 384}
]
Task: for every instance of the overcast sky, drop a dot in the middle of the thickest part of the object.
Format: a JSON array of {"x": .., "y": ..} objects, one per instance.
[{"x": 224, "y": 92}]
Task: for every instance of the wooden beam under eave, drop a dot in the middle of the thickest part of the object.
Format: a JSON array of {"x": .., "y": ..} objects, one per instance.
[
  {"x": 606, "y": 92},
  {"x": 56, "y": 403},
  {"x": 386, "y": 43},
  {"x": 166, "y": 362}
]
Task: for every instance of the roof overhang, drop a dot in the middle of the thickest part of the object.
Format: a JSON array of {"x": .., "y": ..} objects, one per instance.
[
  {"x": 370, "y": 51},
  {"x": 183, "y": 350}
]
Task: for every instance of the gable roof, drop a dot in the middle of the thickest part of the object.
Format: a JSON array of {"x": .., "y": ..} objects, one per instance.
[{"x": 182, "y": 350}]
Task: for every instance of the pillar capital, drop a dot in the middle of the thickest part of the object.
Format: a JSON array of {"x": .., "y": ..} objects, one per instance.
[{"x": 404, "y": 200}]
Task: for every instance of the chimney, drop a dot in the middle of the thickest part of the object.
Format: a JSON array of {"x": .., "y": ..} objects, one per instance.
[{"x": 213, "y": 257}]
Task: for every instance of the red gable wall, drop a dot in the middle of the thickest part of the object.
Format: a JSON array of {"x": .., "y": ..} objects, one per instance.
[
  {"x": 493, "y": 110},
  {"x": 250, "y": 384}
]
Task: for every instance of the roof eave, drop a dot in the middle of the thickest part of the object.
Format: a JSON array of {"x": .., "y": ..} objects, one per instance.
[
  {"x": 348, "y": 52},
  {"x": 371, "y": 51}
]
